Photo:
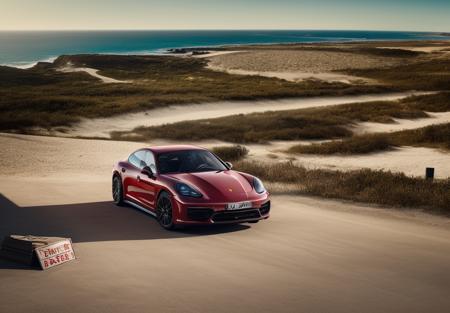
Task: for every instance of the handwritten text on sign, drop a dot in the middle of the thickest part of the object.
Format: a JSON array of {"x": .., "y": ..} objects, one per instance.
[{"x": 55, "y": 254}]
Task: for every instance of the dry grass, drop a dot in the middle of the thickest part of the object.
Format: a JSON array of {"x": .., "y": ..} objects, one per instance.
[
  {"x": 353, "y": 145},
  {"x": 427, "y": 74},
  {"x": 367, "y": 186},
  {"x": 231, "y": 153},
  {"x": 436, "y": 136}
]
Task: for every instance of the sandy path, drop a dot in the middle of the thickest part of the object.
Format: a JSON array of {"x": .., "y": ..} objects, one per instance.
[
  {"x": 311, "y": 256},
  {"x": 102, "y": 127},
  {"x": 213, "y": 54},
  {"x": 93, "y": 72},
  {"x": 295, "y": 76}
]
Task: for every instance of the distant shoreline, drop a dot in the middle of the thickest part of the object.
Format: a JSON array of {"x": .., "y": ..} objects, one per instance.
[
  {"x": 202, "y": 49},
  {"x": 19, "y": 51}
]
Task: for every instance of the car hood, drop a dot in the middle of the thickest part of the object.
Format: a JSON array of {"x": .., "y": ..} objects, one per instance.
[{"x": 225, "y": 186}]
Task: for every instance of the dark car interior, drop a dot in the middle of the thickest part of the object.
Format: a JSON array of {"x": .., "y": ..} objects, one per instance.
[{"x": 188, "y": 162}]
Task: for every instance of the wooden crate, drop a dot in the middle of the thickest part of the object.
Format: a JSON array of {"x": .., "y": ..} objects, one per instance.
[{"x": 45, "y": 252}]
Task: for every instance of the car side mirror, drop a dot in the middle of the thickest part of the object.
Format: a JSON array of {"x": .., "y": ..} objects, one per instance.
[
  {"x": 229, "y": 165},
  {"x": 148, "y": 171}
]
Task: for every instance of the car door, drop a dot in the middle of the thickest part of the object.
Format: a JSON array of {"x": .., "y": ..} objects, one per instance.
[
  {"x": 147, "y": 185},
  {"x": 131, "y": 184}
]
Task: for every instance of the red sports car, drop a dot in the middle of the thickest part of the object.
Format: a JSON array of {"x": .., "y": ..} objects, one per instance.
[{"x": 187, "y": 185}]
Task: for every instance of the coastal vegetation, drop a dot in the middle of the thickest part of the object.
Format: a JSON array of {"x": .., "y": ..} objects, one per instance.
[
  {"x": 331, "y": 122},
  {"x": 43, "y": 96},
  {"x": 425, "y": 74},
  {"x": 369, "y": 186}
]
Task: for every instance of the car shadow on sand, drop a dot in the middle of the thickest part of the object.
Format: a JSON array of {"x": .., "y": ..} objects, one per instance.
[
  {"x": 91, "y": 222},
  {"x": 97, "y": 221}
]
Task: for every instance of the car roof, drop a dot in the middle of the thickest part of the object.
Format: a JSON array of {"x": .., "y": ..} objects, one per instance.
[{"x": 171, "y": 148}]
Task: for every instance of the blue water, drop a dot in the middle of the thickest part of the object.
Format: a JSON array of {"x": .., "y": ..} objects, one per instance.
[{"x": 18, "y": 48}]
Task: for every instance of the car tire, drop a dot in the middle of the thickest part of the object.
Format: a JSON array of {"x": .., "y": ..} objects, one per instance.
[
  {"x": 117, "y": 190},
  {"x": 164, "y": 211}
]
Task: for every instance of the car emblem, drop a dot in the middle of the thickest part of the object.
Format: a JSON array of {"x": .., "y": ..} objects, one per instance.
[{"x": 230, "y": 190}]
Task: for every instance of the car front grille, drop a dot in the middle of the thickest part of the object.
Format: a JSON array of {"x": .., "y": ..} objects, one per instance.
[
  {"x": 265, "y": 208},
  {"x": 238, "y": 215},
  {"x": 199, "y": 214}
]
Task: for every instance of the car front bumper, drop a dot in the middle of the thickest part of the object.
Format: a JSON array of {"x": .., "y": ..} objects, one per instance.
[{"x": 215, "y": 213}]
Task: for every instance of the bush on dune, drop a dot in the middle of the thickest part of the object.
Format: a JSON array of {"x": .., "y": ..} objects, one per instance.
[{"x": 231, "y": 153}]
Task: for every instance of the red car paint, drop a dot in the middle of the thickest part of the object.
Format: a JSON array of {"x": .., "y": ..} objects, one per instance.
[{"x": 218, "y": 188}]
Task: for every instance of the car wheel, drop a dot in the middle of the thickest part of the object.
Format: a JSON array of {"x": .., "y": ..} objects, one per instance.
[
  {"x": 117, "y": 190},
  {"x": 164, "y": 211}
]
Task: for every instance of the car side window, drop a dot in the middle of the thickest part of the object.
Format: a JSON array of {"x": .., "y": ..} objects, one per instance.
[
  {"x": 138, "y": 159},
  {"x": 149, "y": 159}
]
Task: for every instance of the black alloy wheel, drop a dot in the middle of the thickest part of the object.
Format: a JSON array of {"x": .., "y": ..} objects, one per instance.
[
  {"x": 117, "y": 190},
  {"x": 164, "y": 211}
]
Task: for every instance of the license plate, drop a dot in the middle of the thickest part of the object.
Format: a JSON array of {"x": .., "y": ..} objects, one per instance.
[{"x": 239, "y": 205}]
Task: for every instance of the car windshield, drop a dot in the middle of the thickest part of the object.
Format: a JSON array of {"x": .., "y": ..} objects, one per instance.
[{"x": 189, "y": 161}]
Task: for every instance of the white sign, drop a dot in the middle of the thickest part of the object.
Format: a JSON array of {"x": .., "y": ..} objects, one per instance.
[
  {"x": 56, "y": 253},
  {"x": 239, "y": 205}
]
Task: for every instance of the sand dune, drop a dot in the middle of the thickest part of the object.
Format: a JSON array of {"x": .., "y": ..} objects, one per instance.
[
  {"x": 298, "y": 60},
  {"x": 296, "y": 76},
  {"x": 102, "y": 127},
  {"x": 297, "y": 65}
]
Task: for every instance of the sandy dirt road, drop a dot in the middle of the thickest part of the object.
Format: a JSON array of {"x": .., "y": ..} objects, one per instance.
[{"x": 312, "y": 255}]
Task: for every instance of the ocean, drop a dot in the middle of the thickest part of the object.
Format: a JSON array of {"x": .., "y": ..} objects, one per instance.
[{"x": 25, "y": 48}]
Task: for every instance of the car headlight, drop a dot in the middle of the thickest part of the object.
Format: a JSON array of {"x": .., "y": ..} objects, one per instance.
[
  {"x": 258, "y": 185},
  {"x": 187, "y": 191}
]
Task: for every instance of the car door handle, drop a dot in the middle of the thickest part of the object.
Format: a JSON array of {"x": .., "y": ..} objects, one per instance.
[{"x": 139, "y": 178}]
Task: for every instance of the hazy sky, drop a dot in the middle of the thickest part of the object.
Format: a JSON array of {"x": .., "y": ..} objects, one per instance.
[{"x": 426, "y": 15}]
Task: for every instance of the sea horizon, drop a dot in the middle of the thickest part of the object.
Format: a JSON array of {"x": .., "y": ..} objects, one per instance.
[{"x": 24, "y": 48}]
